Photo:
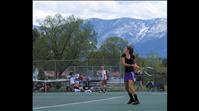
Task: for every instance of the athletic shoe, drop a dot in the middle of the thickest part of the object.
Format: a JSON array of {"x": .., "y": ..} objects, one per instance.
[
  {"x": 136, "y": 103},
  {"x": 130, "y": 101}
]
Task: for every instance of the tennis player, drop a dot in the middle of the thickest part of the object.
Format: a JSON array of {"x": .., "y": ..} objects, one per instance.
[
  {"x": 104, "y": 78},
  {"x": 128, "y": 61}
]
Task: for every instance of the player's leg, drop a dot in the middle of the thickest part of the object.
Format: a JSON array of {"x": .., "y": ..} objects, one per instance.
[
  {"x": 131, "y": 87},
  {"x": 105, "y": 84},
  {"x": 132, "y": 90},
  {"x": 131, "y": 99},
  {"x": 101, "y": 86},
  {"x": 142, "y": 86}
]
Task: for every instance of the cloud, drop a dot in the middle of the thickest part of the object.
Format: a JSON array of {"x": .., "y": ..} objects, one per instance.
[{"x": 100, "y": 9}]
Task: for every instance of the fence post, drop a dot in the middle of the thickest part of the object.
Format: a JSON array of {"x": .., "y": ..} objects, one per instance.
[
  {"x": 55, "y": 71},
  {"x": 120, "y": 68},
  {"x": 92, "y": 71}
]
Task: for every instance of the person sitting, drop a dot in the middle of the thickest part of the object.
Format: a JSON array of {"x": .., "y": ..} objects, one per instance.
[
  {"x": 76, "y": 87},
  {"x": 150, "y": 85},
  {"x": 72, "y": 81}
]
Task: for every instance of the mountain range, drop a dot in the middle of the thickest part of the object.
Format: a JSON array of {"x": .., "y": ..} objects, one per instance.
[{"x": 146, "y": 36}]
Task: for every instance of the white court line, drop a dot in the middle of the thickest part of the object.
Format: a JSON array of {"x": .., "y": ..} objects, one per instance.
[
  {"x": 154, "y": 93},
  {"x": 159, "y": 93},
  {"x": 60, "y": 105}
]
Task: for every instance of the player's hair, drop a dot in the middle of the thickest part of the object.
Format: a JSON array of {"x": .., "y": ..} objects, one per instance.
[{"x": 131, "y": 51}]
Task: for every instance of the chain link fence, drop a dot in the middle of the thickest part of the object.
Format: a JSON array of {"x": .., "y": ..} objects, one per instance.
[{"x": 61, "y": 69}]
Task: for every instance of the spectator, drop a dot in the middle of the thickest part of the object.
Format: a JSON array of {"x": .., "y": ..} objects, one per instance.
[
  {"x": 140, "y": 79},
  {"x": 104, "y": 79},
  {"x": 150, "y": 85}
]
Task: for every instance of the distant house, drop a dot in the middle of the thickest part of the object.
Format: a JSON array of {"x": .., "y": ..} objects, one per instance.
[{"x": 49, "y": 74}]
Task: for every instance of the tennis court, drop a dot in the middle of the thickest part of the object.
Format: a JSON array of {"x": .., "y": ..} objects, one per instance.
[{"x": 110, "y": 101}]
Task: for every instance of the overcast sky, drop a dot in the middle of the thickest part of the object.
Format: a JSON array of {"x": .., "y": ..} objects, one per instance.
[{"x": 100, "y": 9}]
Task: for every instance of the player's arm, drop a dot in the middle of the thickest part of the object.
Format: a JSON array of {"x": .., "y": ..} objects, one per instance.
[
  {"x": 125, "y": 64},
  {"x": 135, "y": 66}
]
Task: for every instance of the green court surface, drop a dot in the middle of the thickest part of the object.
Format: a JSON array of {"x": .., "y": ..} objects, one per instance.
[{"x": 110, "y": 101}]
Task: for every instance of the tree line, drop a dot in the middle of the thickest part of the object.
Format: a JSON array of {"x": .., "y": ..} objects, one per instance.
[{"x": 72, "y": 38}]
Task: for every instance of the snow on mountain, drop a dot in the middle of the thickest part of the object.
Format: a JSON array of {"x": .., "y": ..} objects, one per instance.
[
  {"x": 151, "y": 34},
  {"x": 147, "y": 36}
]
